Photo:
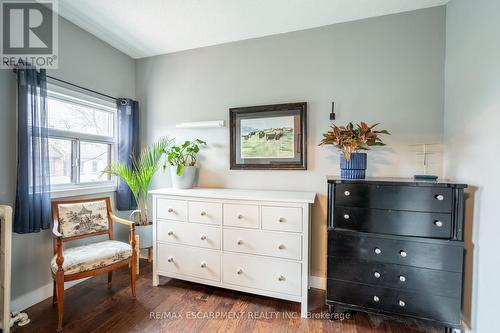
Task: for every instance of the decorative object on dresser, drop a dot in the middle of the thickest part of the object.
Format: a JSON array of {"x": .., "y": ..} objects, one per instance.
[
  {"x": 182, "y": 160},
  {"x": 349, "y": 141},
  {"x": 246, "y": 240},
  {"x": 395, "y": 246},
  {"x": 272, "y": 137}
]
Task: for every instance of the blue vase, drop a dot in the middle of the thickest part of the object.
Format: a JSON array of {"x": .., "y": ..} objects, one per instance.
[{"x": 355, "y": 168}]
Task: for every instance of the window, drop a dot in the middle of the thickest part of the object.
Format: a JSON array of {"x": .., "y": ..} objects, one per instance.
[{"x": 81, "y": 139}]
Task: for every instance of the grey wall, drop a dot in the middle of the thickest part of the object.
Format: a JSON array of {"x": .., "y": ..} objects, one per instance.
[
  {"x": 83, "y": 60},
  {"x": 471, "y": 118},
  {"x": 388, "y": 69}
]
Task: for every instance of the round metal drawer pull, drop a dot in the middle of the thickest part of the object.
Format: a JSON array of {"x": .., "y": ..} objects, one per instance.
[
  {"x": 203, "y": 265},
  {"x": 281, "y": 246},
  {"x": 440, "y": 197},
  {"x": 281, "y": 219},
  {"x": 346, "y": 216},
  {"x": 203, "y": 237},
  {"x": 376, "y": 275},
  {"x": 203, "y": 213},
  {"x": 347, "y": 193},
  {"x": 401, "y": 303},
  {"x": 402, "y": 278},
  {"x": 376, "y": 299},
  {"x": 240, "y": 216},
  {"x": 239, "y": 242},
  {"x": 170, "y": 233},
  {"x": 170, "y": 259},
  {"x": 438, "y": 223},
  {"x": 403, "y": 254},
  {"x": 170, "y": 210},
  {"x": 377, "y": 250},
  {"x": 239, "y": 271},
  {"x": 281, "y": 278}
]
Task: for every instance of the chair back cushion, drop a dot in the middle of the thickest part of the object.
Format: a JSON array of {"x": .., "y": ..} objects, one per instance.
[{"x": 82, "y": 218}]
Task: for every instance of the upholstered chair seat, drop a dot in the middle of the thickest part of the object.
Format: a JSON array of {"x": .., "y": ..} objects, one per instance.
[{"x": 92, "y": 256}]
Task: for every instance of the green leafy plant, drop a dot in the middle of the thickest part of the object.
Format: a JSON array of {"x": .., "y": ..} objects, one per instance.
[
  {"x": 351, "y": 138},
  {"x": 138, "y": 176},
  {"x": 183, "y": 155}
]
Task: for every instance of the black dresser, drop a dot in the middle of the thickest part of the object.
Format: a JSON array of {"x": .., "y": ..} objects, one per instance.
[{"x": 395, "y": 246}]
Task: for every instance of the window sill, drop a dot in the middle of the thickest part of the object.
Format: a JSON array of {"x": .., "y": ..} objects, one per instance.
[{"x": 81, "y": 190}]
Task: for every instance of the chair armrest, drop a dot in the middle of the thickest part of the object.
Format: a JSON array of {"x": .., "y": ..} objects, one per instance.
[
  {"x": 55, "y": 231},
  {"x": 121, "y": 221}
]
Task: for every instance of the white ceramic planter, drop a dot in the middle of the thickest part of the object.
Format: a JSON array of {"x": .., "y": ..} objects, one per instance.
[
  {"x": 145, "y": 233},
  {"x": 186, "y": 180}
]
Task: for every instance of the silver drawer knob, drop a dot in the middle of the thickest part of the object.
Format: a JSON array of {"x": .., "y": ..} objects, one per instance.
[
  {"x": 402, "y": 278},
  {"x": 240, "y": 216},
  {"x": 239, "y": 242},
  {"x": 347, "y": 193},
  {"x": 403, "y": 254},
  {"x": 401, "y": 303},
  {"x": 281, "y": 278},
  {"x": 440, "y": 197},
  {"x": 376, "y": 275},
  {"x": 281, "y": 219},
  {"x": 202, "y": 213},
  {"x": 438, "y": 223},
  {"x": 203, "y": 237},
  {"x": 377, "y": 250},
  {"x": 170, "y": 233},
  {"x": 170, "y": 210},
  {"x": 203, "y": 265},
  {"x": 376, "y": 299},
  {"x": 170, "y": 259},
  {"x": 346, "y": 216},
  {"x": 281, "y": 246},
  {"x": 239, "y": 271}
]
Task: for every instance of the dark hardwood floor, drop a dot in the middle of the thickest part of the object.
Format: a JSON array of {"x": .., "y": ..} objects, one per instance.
[{"x": 178, "y": 306}]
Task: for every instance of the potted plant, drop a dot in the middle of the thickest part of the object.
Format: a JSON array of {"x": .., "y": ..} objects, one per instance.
[
  {"x": 182, "y": 161},
  {"x": 138, "y": 178},
  {"x": 350, "y": 139}
]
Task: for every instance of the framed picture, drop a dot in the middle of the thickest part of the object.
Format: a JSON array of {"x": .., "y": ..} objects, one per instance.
[{"x": 269, "y": 137}]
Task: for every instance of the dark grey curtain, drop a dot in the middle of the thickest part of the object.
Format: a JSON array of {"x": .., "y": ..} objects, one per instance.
[
  {"x": 32, "y": 212},
  {"x": 128, "y": 147}
]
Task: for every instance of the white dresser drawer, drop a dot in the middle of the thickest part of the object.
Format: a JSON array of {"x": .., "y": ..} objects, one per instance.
[
  {"x": 282, "y": 218},
  {"x": 267, "y": 243},
  {"x": 262, "y": 273},
  {"x": 243, "y": 216},
  {"x": 171, "y": 209},
  {"x": 205, "y": 212},
  {"x": 192, "y": 261},
  {"x": 188, "y": 234}
]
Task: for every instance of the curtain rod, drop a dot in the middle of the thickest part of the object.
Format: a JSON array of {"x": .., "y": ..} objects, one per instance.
[{"x": 80, "y": 87}]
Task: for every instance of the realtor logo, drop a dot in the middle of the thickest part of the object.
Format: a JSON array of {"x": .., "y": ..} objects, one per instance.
[{"x": 29, "y": 33}]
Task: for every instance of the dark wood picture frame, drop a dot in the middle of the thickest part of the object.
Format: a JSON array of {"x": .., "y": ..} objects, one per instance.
[{"x": 298, "y": 110}]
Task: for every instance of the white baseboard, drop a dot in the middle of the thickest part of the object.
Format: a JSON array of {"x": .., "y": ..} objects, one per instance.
[
  {"x": 33, "y": 297},
  {"x": 317, "y": 282}
]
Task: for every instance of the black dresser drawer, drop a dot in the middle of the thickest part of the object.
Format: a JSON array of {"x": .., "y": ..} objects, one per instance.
[
  {"x": 395, "y": 222},
  {"x": 413, "y": 198},
  {"x": 407, "y": 278},
  {"x": 427, "y": 253},
  {"x": 421, "y": 305}
]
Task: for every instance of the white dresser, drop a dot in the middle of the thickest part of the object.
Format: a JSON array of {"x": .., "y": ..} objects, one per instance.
[{"x": 246, "y": 240}]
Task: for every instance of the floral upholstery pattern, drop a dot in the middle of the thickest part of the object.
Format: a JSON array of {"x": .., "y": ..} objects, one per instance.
[
  {"x": 82, "y": 218},
  {"x": 92, "y": 256}
]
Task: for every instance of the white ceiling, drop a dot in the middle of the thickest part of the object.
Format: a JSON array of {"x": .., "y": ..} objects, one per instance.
[{"x": 143, "y": 28}]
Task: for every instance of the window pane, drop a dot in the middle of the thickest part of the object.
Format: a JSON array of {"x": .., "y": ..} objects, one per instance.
[
  {"x": 94, "y": 157},
  {"x": 60, "y": 161},
  {"x": 68, "y": 116}
]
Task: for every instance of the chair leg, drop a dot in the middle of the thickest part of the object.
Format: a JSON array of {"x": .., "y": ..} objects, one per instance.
[
  {"x": 54, "y": 293},
  {"x": 110, "y": 277},
  {"x": 133, "y": 275},
  {"x": 60, "y": 299}
]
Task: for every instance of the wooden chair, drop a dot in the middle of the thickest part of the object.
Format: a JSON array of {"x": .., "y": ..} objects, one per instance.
[{"x": 77, "y": 219}]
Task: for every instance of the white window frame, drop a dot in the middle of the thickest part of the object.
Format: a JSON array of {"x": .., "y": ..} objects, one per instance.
[{"x": 77, "y": 188}]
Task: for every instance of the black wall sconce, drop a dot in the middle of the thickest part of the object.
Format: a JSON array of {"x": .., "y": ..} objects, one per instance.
[{"x": 332, "y": 114}]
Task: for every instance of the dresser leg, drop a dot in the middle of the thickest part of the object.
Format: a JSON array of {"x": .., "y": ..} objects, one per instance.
[
  {"x": 303, "y": 308},
  {"x": 156, "y": 280}
]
